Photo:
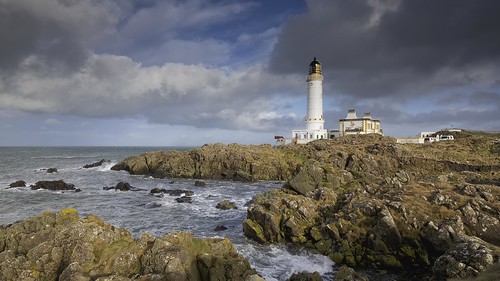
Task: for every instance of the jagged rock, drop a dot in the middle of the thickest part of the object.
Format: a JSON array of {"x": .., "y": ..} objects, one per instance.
[
  {"x": 200, "y": 183},
  {"x": 97, "y": 164},
  {"x": 467, "y": 258},
  {"x": 346, "y": 273},
  {"x": 184, "y": 199},
  {"x": 51, "y": 170},
  {"x": 445, "y": 236},
  {"x": 220, "y": 227},
  {"x": 172, "y": 192},
  {"x": 305, "y": 276},
  {"x": 226, "y": 205},
  {"x": 482, "y": 219},
  {"x": 122, "y": 186},
  {"x": 19, "y": 183},
  {"x": 61, "y": 246},
  {"x": 53, "y": 185}
]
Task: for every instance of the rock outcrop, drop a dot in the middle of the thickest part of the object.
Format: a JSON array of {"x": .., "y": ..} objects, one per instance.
[
  {"x": 226, "y": 205},
  {"x": 63, "y": 246},
  {"x": 364, "y": 201},
  {"x": 19, "y": 183},
  {"x": 96, "y": 164},
  {"x": 122, "y": 186},
  {"x": 375, "y": 205},
  {"x": 215, "y": 161},
  {"x": 58, "y": 185}
]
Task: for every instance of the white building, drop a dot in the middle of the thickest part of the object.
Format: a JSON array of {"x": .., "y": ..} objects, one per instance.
[{"x": 352, "y": 125}]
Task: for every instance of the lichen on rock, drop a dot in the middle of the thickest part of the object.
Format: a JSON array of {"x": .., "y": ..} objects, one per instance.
[{"x": 62, "y": 246}]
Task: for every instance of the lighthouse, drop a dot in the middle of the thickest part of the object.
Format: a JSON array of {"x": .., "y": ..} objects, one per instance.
[{"x": 314, "y": 119}]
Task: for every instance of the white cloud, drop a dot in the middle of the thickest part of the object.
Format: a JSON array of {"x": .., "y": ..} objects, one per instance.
[{"x": 179, "y": 94}]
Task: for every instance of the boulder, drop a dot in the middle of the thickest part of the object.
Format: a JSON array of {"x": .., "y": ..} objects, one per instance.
[
  {"x": 305, "y": 276},
  {"x": 220, "y": 227},
  {"x": 96, "y": 164},
  {"x": 226, "y": 205},
  {"x": 200, "y": 183},
  {"x": 172, "y": 192},
  {"x": 467, "y": 258},
  {"x": 19, "y": 183},
  {"x": 122, "y": 186},
  {"x": 51, "y": 170},
  {"x": 63, "y": 246},
  {"x": 53, "y": 185},
  {"x": 346, "y": 273},
  {"x": 184, "y": 199}
]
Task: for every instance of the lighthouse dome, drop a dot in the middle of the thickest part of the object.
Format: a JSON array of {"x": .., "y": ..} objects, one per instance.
[{"x": 315, "y": 67}]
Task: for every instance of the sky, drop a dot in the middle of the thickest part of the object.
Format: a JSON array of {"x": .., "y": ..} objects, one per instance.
[{"x": 190, "y": 72}]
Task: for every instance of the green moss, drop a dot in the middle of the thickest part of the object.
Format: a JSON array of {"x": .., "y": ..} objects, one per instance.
[
  {"x": 389, "y": 261},
  {"x": 337, "y": 257}
]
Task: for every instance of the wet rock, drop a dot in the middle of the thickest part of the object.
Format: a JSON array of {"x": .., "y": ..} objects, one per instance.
[
  {"x": 220, "y": 227},
  {"x": 200, "y": 183},
  {"x": 53, "y": 185},
  {"x": 51, "y": 170},
  {"x": 172, "y": 192},
  {"x": 226, "y": 205},
  {"x": 122, "y": 186},
  {"x": 97, "y": 164},
  {"x": 184, "y": 199},
  {"x": 19, "y": 183},
  {"x": 346, "y": 273},
  {"x": 305, "y": 276},
  {"x": 157, "y": 190},
  {"x": 62, "y": 246}
]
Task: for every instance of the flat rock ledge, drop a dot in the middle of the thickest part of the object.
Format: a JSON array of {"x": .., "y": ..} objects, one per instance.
[{"x": 62, "y": 246}]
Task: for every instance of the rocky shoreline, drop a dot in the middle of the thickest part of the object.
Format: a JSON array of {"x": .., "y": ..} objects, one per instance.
[
  {"x": 364, "y": 201},
  {"x": 63, "y": 246}
]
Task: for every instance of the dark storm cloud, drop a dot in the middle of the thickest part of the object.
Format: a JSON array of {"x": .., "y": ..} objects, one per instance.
[
  {"x": 383, "y": 48},
  {"x": 55, "y": 31}
]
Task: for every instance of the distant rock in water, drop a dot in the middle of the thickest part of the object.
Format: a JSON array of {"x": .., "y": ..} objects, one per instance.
[
  {"x": 122, "y": 186},
  {"x": 51, "y": 170},
  {"x": 226, "y": 205},
  {"x": 63, "y": 246},
  {"x": 172, "y": 192},
  {"x": 184, "y": 199},
  {"x": 220, "y": 227},
  {"x": 200, "y": 183},
  {"x": 53, "y": 185},
  {"x": 19, "y": 183},
  {"x": 97, "y": 164}
]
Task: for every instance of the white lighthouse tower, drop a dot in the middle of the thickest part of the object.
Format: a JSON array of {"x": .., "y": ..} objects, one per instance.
[{"x": 314, "y": 121}]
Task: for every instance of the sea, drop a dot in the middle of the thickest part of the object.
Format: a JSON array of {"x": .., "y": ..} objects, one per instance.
[{"x": 139, "y": 211}]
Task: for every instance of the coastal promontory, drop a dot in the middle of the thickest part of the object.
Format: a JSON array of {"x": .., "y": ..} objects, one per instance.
[{"x": 364, "y": 201}]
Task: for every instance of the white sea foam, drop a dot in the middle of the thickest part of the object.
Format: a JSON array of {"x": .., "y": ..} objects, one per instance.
[{"x": 106, "y": 166}]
